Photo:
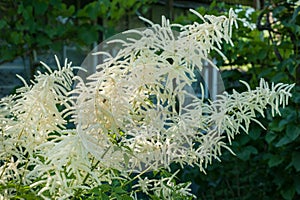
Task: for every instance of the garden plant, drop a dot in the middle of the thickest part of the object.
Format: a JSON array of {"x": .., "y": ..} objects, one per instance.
[{"x": 116, "y": 134}]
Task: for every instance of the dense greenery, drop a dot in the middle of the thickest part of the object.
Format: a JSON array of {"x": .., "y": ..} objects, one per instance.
[
  {"x": 31, "y": 28},
  {"x": 267, "y": 165}
]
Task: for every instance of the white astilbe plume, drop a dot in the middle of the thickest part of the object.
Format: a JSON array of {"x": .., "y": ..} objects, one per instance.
[
  {"x": 164, "y": 188},
  {"x": 66, "y": 165},
  {"x": 33, "y": 117},
  {"x": 36, "y": 106},
  {"x": 138, "y": 100},
  {"x": 233, "y": 113},
  {"x": 132, "y": 97}
]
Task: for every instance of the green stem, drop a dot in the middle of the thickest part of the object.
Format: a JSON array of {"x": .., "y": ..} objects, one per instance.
[
  {"x": 92, "y": 168},
  {"x": 140, "y": 174}
]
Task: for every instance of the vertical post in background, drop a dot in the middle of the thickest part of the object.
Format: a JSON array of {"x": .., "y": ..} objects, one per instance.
[
  {"x": 206, "y": 80},
  {"x": 95, "y": 44},
  {"x": 170, "y": 9},
  {"x": 258, "y": 4},
  {"x": 214, "y": 91}
]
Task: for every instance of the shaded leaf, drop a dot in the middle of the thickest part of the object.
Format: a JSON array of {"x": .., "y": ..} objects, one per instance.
[
  {"x": 296, "y": 161},
  {"x": 288, "y": 193},
  {"x": 293, "y": 131},
  {"x": 270, "y": 137},
  {"x": 275, "y": 160},
  {"x": 255, "y": 132},
  {"x": 246, "y": 152}
]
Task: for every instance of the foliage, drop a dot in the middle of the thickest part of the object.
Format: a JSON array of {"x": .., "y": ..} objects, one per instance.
[
  {"x": 31, "y": 28},
  {"x": 267, "y": 162}
]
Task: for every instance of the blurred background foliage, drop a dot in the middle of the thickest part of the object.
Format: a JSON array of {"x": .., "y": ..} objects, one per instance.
[
  {"x": 32, "y": 28},
  {"x": 266, "y": 45}
]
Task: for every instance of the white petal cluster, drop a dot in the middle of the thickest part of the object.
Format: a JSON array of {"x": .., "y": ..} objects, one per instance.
[
  {"x": 138, "y": 98},
  {"x": 164, "y": 188},
  {"x": 31, "y": 125},
  {"x": 233, "y": 113},
  {"x": 135, "y": 114}
]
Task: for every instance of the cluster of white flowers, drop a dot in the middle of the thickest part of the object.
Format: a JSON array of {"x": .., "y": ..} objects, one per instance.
[
  {"x": 134, "y": 114},
  {"x": 164, "y": 188},
  {"x": 132, "y": 97}
]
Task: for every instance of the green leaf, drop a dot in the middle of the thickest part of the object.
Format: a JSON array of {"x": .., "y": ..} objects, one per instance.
[
  {"x": 243, "y": 139},
  {"x": 43, "y": 40},
  {"x": 270, "y": 137},
  {"x": 288, "y": 193},
  {"x": 104, "y": 196},
  {"x": 2, "y": 23},
  {"x": 246, "y": 152},
  {"x": 255, "y": 132},
  {"x": 295, "y": 14},
  {"x": 276, "y": 126},
  {"x": 293, "y": 132},
  {"x": 296, "y": 160},
  {"x": 16, "y": 37},
  {"x": 56, "y": 46},
  {"x": 283, "y": 141},
  {"x": 275, "y": 160},
  {"x": 91, "y": 10},
  {"x": 280, "y": 76},
  {"x": 69, "y": 11},
  {"x": 126, "y": 197},
  {"x": 55, "y": 2},
  {"x": 27, "y": 13},
  {"x": 40, "y": 7},
  {"x": 297, "y": 183},
  {"x": 88, "y": 35},
  {"x": 296, "y": 97}
]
